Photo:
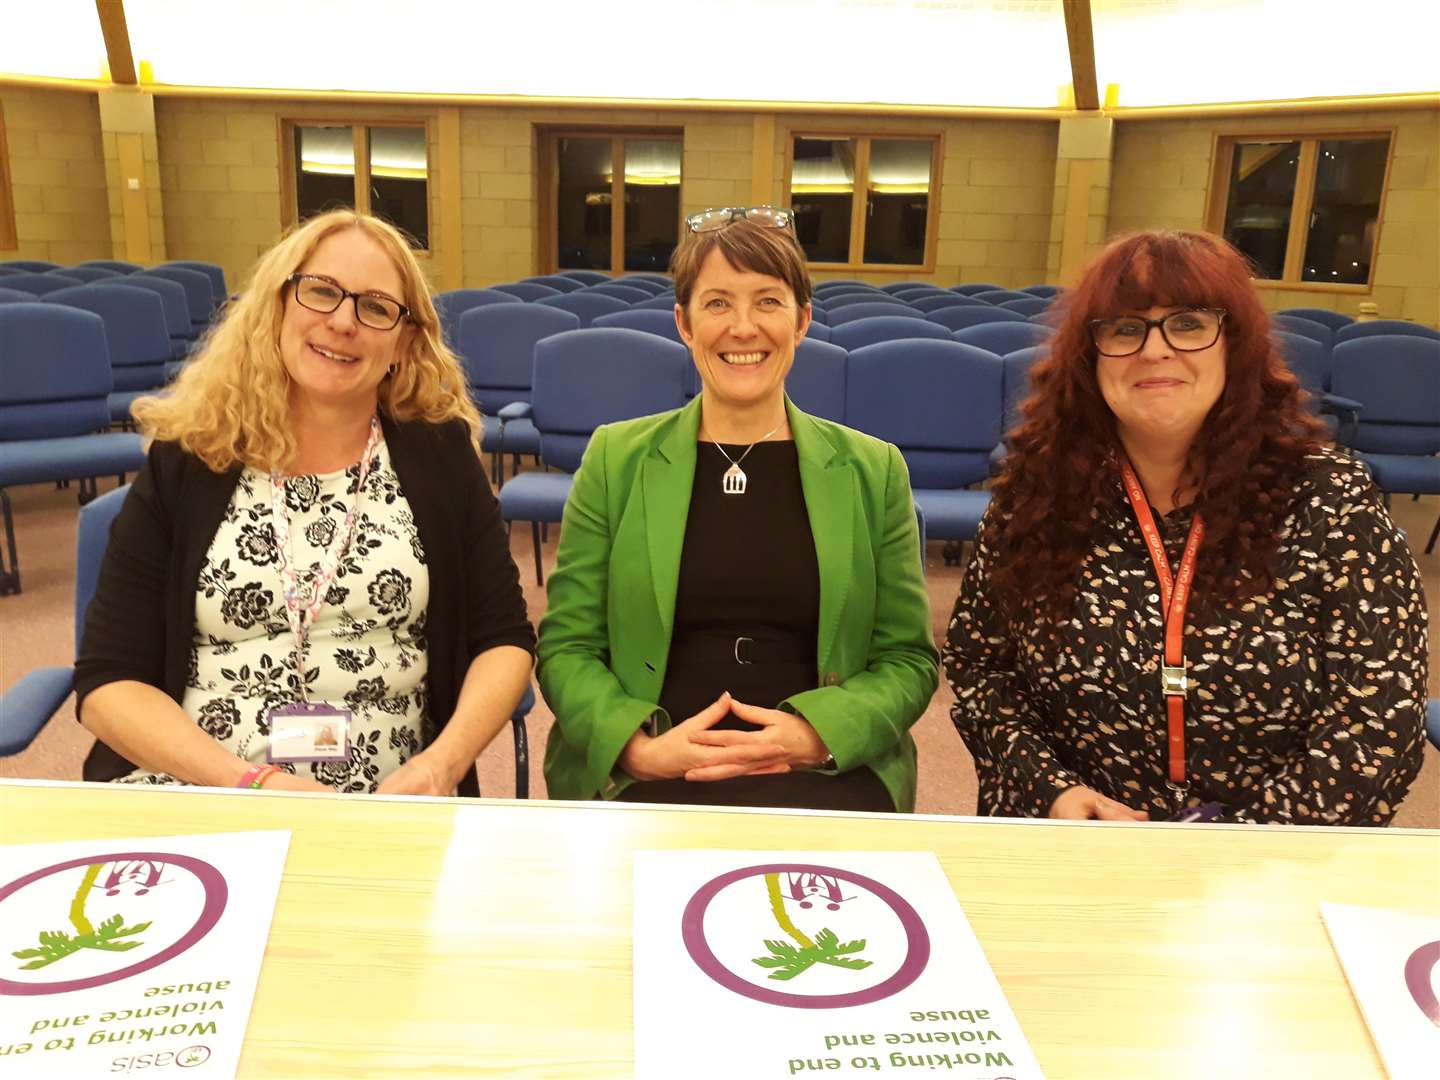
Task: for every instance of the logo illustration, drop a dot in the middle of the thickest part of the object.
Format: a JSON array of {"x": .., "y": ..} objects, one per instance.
[
  {"x": 192, "y": 1056},
  {"x": 1419, "y": 969},
  {"x": 825, "y": 948}
]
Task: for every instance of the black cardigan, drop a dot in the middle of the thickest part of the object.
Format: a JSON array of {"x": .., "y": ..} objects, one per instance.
[{"x": 141, "y": 623}]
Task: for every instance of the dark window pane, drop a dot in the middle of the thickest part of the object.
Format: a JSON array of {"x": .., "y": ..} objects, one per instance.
[
  {"x": 324, "y": 170},
  {"x": 822, "y": 193},
  {"x": 1262, "y": 190},
  {"x": 652, "y": 202},
  {"x": 897, "y": 200},
  {"x": 583, "y": 204},
  {"x": 399, "y": 186},
  {"x": 1349, "y": 176}
]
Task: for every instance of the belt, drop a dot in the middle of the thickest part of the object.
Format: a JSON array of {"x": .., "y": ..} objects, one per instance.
[{"x": 743, "y": 649}]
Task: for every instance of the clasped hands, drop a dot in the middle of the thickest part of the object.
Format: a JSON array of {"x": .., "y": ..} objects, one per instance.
[{"x": 694, "y": 750}]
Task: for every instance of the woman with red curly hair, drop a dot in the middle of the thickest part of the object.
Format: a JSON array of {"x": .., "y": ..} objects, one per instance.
[{"x": 1183, "y": 602}]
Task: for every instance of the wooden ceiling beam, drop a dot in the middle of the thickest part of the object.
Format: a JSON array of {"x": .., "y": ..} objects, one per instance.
[
  {"x": 117, "y": 41},
  {"x": 1080, "y": 34}
]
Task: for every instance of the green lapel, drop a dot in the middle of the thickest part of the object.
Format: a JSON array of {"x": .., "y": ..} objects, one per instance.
[
  {"x": 828, "y": 481},
  {"x": 665, "y": 483}
]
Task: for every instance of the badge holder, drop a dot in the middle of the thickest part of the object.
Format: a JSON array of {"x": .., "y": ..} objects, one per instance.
[{"x": 309, "y": 733}]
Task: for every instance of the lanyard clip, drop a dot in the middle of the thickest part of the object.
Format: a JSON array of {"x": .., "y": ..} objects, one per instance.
[{"x": 1173, "y": 681}]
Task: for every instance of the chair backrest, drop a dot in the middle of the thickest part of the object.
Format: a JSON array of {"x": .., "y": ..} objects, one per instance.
[
  {"x": 92, "y": 537},
  {"x": 118, "y": 265},
  {"x": 974, "y": 287},
  {"x": 1036, "y": 305},
  {"x": 1333, "y": 319},
  {"x": 999, "y": 296},
  {"x": 87, "y": 274},
  {"x": 646, "y": 282},
  {"x": 897, "y": 288},
  {"x": 34, "y": 266},
  {"x": 172, "y": 296},
  {"x": 453, "y": 303},
  {"x": 1379, "y": 327},
  {"x": 938, "y": 401},
  {"x": 959, "y": 316},
  {"x": 1045, "y": 291},
  {"x": 649, "y": 321},
  {"x": 1297, "y": 324},
  {"x": 1015, "y": 381},
  {"x": 215, "y": 272},
  {"x": 54, "y": 372},
  {"x": 861, "y": 332},
  {"x": 818, "y": 313},
  {"x": 843, "y": 285},
  {"x": 598, "y": 376},
  {"x": 528, "y": 290},
  {"x": 496, "y": 345},
  {"x": 199, "y": 293},
  {"x": 1004, "y": 337},
  {"x": 918, "y": 290},
  {"x": 1308, "y": 359},
  {"x": 587, "y": 277},
  {"x": 134, "y": 330},
  {"x": 15, "y": 296},
  {"x": 664, "y": 301},
  {"x": 816, "y": 381},
  {"x": 1397, "y": 379},
  {"x": 665, "y": 281},
  {"x": 629, "y": 293},
  {"x": 838, "y": 300},
  {"x": 40, "y": 283},
  {"x": 818, "y": 331},
  {"x": 587, "y": 305},
  {"x": 943, "y": 299},
  {"x": 559, "y": 282},
  {"x": 897, "y": 309},
  {"x": 10, "y": 270}
]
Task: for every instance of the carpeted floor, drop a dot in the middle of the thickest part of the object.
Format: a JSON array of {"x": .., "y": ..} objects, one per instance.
[{"x": 37, "y": 628}]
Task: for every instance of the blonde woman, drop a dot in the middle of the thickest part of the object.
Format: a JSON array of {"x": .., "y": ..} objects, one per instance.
[{"x": 311, "y": 545}]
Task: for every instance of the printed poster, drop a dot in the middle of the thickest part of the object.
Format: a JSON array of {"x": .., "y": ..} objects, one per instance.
[
  {"x": 118, "y": 956},
  {"x": 762, "y": 964},
  {"x": 1392, "y": 961}
]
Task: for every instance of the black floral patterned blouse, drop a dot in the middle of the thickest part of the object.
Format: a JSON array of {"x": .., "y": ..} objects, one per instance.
[{"x": 1306, "y": 705}]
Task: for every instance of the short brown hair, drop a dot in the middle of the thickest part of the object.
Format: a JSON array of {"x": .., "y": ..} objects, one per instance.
[{"x": 746, "y": 246}]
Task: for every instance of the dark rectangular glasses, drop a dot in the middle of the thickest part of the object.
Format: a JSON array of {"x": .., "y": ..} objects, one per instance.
[
  {"x": 1183, "y": 331},
  {"x": 371, "y": 309}
]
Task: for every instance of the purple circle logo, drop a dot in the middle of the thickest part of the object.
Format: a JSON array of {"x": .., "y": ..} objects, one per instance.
[
  {"x": 192, "y": 1056},
  {"x": 117, "y": 903},
  {"x": 840, "y": 938},
  {"x": 1419, "y": 967}
]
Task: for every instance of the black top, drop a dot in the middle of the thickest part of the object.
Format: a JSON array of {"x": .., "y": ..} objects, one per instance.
[
  {"x": 141, "y": 623},
  {"x": 748, "y": 570}
]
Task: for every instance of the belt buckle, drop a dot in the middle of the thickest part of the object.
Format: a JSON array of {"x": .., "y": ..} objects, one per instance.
[
  {"x": 1173, "y": 681},
  {"x": 738, "y": 658}
]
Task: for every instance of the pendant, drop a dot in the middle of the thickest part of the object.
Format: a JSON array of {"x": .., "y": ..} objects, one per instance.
[
  {"x": 306, "y": 593},
  {"x": 734, "y": 480}
]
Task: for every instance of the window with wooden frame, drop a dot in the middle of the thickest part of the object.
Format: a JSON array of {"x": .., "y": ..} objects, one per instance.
[
  {"x": 612, "y": 199},
  {"x": 8, "y": 240},
  {"x": 379, "y": 167},
  {"x": 865, "y": 201},
  {"x": 1304, "y": 208}
]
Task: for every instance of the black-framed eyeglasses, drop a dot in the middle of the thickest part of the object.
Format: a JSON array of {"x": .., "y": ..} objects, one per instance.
[
  {"x": 375, "y": 310},
  {"x": 1184, "y": 331},
  {"x": 717, "y": 217}
]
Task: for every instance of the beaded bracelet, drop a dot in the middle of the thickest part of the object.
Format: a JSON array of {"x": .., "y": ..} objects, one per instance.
[{"x": 256, "y": 777}]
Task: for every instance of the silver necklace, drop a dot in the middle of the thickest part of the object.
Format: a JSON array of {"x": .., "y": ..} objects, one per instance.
[{"x": 735, "y": 480}]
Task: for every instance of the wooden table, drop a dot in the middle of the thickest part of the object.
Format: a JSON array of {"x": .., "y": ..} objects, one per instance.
[{"x": 436, "y": 938}]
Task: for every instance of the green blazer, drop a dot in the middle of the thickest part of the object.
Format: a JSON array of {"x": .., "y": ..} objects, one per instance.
[{"x": 605, "y": 637}]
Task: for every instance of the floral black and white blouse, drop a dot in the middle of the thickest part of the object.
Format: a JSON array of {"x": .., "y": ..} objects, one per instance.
[
  {"x": 1306, "y": 704},
  {"x": 366, "y": 649}
]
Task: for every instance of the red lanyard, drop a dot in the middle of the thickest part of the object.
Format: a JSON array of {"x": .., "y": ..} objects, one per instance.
[{"x": 1174, "y": 595}]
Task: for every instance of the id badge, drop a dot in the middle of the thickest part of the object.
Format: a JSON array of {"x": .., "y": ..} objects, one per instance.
[
  {"x": 1204, "y": 812},
  {"x": 314, "y": 732}
]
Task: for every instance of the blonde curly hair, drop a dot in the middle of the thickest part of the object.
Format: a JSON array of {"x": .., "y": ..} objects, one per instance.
[{"x": 231, "y": 403}]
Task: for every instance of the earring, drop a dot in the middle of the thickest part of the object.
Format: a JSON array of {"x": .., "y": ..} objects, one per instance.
[{"x": 392, "y": 369}]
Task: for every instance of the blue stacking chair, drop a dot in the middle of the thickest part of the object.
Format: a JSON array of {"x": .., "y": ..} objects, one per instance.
[
  {"x": 960, "y": 316},
  {"x": 219, "y": 290},
  {"x": 200, "y": 297},
  {"x": 861, "y": 332},
  {"x": 584, "y": 379},
  {"x": 648, "y": 321},
  {"x": 40, "y": 283},
  {"x": 15, "y": 296},
  {"x": 816, "y": 380},
  {"x": 843, "y": 285},
  {"x": 943, "y": 299},
  {"x": 177, "y": 313},
  {"x": 453, "y": 303},
  {"x": 940, "y": 403},
  {"x": 1014, "y": 388},
  {"x": 120, "y": 266},
  {"x": 11, "y": 270},
  {"x": 54, "y": 384},
  {"x": 896, "y": 309},
  {"x": 818, "y": 331},
  {"x": 1333, "y": 319},
  {"x": 1004, "y": 337},
  {"x": 665, "y": 281},
  {"x": 554, "y": 281},
  {"x": 496, "y": 346},
  {"x": 135, "y": 333},
  {"x": 33, "y": 266},
  {"x": 999, "y": 296},
  {"x": 1432, "y": 721},
  {"x": 1296, "y": 324},
  {"x": 628, "y": 293},
  {"x": 919, "y": 290},
  {"x": 528, "y": 291},
  {"x": 818, "y": 313},
  {"x": 1398, "y": 434},
  {"x": 974, "y": 287},
  {"x": 587, "y": 305},
  {"x": 836, "y": 301},
  {"x": 1046, "y": 292},
  {"x": 664, "y": 301},
  {"x": 645, "y": 283},
  {"x": 587, "y": 277},
  {"x": 1312, "y": 364},
  {"x": 1029, "y": 308},
  {"x": 88, "y": 274},
  {"x": 1381, "y": 327}
]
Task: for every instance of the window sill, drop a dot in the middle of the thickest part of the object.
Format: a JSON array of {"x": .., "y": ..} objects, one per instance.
[
  {"x": 870, "y": 268},
  {"x": 1313, "y": 286}
]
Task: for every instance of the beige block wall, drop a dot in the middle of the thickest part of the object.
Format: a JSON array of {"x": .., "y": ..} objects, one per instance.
[
  {"x": 57, "y": 166},
  {"x": 1161, "y": 179}
]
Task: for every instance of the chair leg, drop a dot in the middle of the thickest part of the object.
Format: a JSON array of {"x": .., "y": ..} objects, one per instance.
[
  {"x": 1434, "y": 535},
  {"x": 9, "y": 579},
  {"x": 535, "y": 535},
  {"x": 522, "y": 758},
  {"x": 89, "y": 489},
  {"x": 951, "y": 552}
]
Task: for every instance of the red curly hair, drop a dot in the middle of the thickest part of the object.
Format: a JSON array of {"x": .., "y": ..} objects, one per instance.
[{"x": 1061, "y": 474}]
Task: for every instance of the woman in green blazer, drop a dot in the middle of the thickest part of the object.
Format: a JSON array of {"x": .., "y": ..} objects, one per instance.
[{"x": 738, "y": 613}]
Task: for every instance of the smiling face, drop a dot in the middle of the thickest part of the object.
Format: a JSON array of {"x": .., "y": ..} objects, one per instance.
[
  {"x": 333, "y": 359},
  {"x": 742, "y": 328},
  {"x": 1161, "y": 394}
]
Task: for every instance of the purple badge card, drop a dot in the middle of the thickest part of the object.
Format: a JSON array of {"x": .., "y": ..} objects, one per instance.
[
  {"x": 854, "y": 963},
  {"x": 125, "y": 954}
]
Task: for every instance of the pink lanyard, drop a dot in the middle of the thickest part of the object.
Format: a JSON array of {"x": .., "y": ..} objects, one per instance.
[
  {"x": 1174, "y": 596},
  {"x": 302, "y": 615}
]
